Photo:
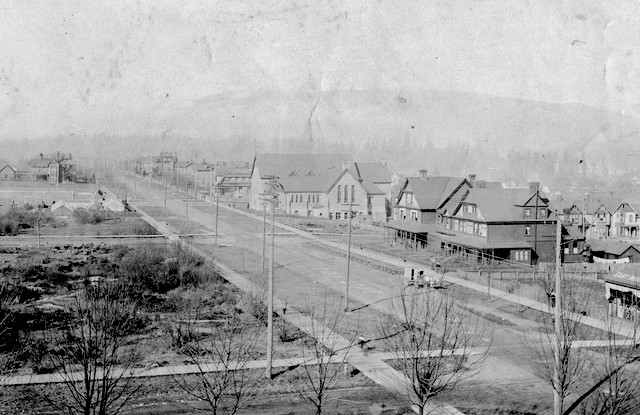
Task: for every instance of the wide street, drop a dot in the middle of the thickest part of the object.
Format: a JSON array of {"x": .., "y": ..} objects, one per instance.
[{"x": 307, "y": 271}]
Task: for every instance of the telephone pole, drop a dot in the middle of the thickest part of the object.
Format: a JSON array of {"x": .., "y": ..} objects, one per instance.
[
  {"x": 557, "y": 397},
  {"x": 272, "y": 199}
]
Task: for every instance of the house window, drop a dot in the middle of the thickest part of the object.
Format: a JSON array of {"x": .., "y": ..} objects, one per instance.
[
  {"x": 337, "y": 215},
  {"x": 291, "y": 198},
  {"x": 543, "y": 213},
  {"x": 448, "y": 226},
  {"x": 409, "y": 198},
  {"x": 353, "y": 193},
  {"x": 339, "y": 194},
  {"x": 575, "y": 249},
  {"x": 527, "y": 211},
  {"x": 527, "y": 230},
  {"x": 414, "y": 215},
  {"x": 470, "y": 208},
  {"x": 330, "y": 215}
]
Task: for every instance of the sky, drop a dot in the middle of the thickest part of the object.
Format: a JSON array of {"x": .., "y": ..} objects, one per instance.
[{"x": 94, "y": 66}]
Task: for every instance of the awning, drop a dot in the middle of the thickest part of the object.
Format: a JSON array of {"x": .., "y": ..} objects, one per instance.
[{"x": 609, "y": 286}]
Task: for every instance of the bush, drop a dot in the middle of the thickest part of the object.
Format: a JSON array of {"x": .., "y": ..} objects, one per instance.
[
  {"x": 84, "y": 216},
  {"x": 8, "y": 227}
]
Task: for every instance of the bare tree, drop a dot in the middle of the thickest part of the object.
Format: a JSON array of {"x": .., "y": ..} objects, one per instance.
[
  {"x": 571, "y": 366},
  {"x": 613, "y": 377},
  {"x": 546, "y": 280},
  {"x": 326, "y": 357},
  {"x": 433, "y": 341},
  {"x": 95, "y": 350},
  {"x": 221, "y": 355},
  {"x": 12, "y": 338}
]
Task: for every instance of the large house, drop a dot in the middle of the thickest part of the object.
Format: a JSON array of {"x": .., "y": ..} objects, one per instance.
[
  {"x": 480, "y": 220},
  {"x": 514, "y": 224},
  {"x": 321, "y": 185}
]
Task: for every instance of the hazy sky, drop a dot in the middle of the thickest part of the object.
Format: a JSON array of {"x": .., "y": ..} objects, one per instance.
[{"x": 84, "y": 66}]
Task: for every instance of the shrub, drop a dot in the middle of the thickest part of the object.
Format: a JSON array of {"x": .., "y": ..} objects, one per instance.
[{"x": 84, "y": 216}]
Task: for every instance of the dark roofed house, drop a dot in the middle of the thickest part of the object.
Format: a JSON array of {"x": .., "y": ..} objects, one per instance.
[
  {"x": 615, "y": 250},
  {"x": 418, "y": 201},
  {"x": 478, "y": 220}
]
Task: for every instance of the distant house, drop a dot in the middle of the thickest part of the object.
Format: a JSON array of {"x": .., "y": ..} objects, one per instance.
[
  {"x": 8, "y": 173},
  {"x": 600, "y": 218},
  {"x": 233, "y": 178},
  {"x": 625, "y": 221},
  {"x": 321, "y": 185}
]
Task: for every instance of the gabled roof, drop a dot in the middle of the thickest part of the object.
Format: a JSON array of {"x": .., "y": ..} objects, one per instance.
[
  {"x": 303, "y": 172},
  {"x": 432, "y": 192},
  {"x": 282, "y": 165},
  {"x": 41, "y": 162},
  {"x": 498, "y": 205},
  {"x": 10, "y": 167},
  {"x": 374, "y": 172},
  {"x": 184, "y": 164}
]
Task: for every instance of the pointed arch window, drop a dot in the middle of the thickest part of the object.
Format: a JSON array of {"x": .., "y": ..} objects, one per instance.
[
  {"x": 339, "y": 193},
  {"x": 353, "y": 193}
]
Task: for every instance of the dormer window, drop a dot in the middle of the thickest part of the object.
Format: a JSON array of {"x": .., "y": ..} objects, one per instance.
[
  {"x": 527, "y": 212},
  {"x": 471, "y": 208}
]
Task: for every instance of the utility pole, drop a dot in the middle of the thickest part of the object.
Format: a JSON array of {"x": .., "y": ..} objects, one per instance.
[
  {"x": 272, "y": 199},
  {"x": 186, "y": 206},
  {"x": 164, "y": 187},
  {"x": 346, "y": 292},
  {"x": 264, "y": 233},
  {"x": 217, "y": 208},
  {"x": 135, "y": 180},
  {"x": 150, "y": 174},
  {"x": 557, "y": 397},
  {"x": 270, "y": 294}
]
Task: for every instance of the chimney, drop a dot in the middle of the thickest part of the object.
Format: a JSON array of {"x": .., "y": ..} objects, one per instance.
[
  {"x": 345, "y": 165},
  {"x": 534, "y": 187},
  {"x": 472, "y": 178},
  {"x": 422, "y": 173}
]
